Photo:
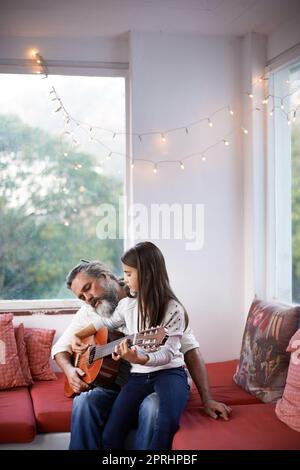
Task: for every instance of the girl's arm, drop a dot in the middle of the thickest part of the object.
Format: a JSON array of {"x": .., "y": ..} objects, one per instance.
[
  {"x": 175, "y": 323},
  {"x": 97, "y": 322}
]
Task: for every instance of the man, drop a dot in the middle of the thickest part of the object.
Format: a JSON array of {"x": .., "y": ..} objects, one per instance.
[{"x": 101, "y": 291}]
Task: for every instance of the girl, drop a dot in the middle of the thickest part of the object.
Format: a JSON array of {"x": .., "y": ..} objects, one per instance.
[{"x": 152, "y": 303}]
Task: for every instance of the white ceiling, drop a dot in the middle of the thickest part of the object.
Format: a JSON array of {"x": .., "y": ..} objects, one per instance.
[{"x": 110, "y": 18}]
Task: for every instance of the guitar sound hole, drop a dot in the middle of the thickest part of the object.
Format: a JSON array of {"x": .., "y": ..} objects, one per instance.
[{"x": 92, "y": 354}]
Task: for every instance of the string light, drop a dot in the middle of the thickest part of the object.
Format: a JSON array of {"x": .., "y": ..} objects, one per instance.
[
  {"x": 69, "y": 119},
  {"x": 294, "y": 116}
]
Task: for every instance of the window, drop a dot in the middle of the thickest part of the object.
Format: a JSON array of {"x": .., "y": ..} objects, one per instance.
[
  {"x": 55, "y": 172},
  {"x": 284, "y": 182}
]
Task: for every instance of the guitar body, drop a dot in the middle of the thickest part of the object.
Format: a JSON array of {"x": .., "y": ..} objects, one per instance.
[{"x": 102, "y": 372}]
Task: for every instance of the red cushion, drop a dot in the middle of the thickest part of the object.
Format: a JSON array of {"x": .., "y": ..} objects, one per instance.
[
  {"x": 223, "y": 388},
  {"x": 250, "y": 427},
  {"x": 17, "y": 423},
  {"x": 51, "y": 408},
  {"x": 38, "y": 344},
  {"x": 22, "y": 353},
  {"x": 11, "y": 374}
]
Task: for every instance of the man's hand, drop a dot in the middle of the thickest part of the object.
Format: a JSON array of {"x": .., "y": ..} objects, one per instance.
[
  {"x": 130, "y": 354},
  {"x": 216, "y": 409},
  {"x": 77, "y": 345},
  {"x": 73, "y": 375}
]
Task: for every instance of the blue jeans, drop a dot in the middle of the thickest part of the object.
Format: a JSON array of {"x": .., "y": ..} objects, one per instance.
[
  {"x": 90, "y": 412},
  {"x": 172, "y": 389}
]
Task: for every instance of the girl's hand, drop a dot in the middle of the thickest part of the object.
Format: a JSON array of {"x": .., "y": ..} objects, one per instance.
[
  {"x": 77, "y": 345},
  {"x": 130, "y": 354}
]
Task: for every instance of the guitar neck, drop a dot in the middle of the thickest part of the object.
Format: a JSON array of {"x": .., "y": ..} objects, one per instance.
[{"x": 108, "y": 349}]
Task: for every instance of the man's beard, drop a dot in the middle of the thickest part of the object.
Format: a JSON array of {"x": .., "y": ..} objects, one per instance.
[{"x": 109, "y": 302}]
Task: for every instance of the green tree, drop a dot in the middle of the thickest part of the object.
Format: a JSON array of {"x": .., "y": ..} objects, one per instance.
[{"x": 48, "y": 218}]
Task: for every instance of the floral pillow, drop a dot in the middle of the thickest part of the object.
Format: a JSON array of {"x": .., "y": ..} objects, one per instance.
[{"x": 264, "y": 361}]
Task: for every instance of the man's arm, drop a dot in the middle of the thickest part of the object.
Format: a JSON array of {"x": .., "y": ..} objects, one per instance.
[
  {"x": 197, "y": 369},
  {"x": 62, "y": 352}
]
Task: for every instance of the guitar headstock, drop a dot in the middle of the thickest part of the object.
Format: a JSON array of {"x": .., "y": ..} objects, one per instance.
[{"x": 151, "y": 339}]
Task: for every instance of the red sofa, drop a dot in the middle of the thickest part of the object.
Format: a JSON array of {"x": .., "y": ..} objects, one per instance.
[{"x": 42, "y": 409}]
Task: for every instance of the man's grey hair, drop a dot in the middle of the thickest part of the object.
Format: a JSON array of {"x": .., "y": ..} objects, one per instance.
[{"x": 94, "y": 269}]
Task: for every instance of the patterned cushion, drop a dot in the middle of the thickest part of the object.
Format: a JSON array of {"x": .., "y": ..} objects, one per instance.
[
  {"x": 263, "y": 365},
  {"x": 38, "y": 343},
  {"x": 288, "y": 407},
  {"x": 22, "y": 353},
  {"x": 10, "y": 368}
]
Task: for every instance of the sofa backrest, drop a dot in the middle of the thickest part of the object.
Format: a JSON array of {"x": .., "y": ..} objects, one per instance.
[{"x": 48, "y": 319}]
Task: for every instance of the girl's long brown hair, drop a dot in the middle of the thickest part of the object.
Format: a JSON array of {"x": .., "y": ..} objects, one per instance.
[{"x": 154, "y": 291}]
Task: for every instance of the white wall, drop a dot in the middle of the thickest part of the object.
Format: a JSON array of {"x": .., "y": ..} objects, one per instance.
[
  {"x": 65, "y": 48},
  {"x": 176, "y": 80},
  {"x": 284, "y": 37}
]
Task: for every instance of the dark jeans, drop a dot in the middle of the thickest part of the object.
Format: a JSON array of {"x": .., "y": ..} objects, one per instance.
[{"x": 172, "y": 389}]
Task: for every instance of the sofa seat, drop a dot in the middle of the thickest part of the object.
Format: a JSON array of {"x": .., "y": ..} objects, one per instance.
[
  {"x": 251, "y": 427},
  {"x": 51, "y": 408},
  {"x": 17, "y": 421},
  {"x": 223, "y": 387}
]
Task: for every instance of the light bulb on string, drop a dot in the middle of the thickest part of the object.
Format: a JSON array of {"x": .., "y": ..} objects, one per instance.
[
  {"x": 288, "y": 121},
  {"x": 203, "y": 158},
  {"x": 108, "y": 156},
  {"x": 210, "y": 123},
  {"x": 271, "y": 112},
  {"x": 281, "y": 105},
  {"x": 245, "y": 130},
  {"x": 186, "y": 130},
  {"x": 155, "y": 169},
  {"x": 181, "y": 165},
  {"x": 250, "y": 95},
  {"x": 230, "y": 110},
  {"x": 163, "y": 137},
  {"x": 294, "y": 116},
  {"x": 265, "y": 100},
  {"x": 226, "y": 142},
  {"x": 132, "y": 165},
  {"x": 140, "y": 138}
]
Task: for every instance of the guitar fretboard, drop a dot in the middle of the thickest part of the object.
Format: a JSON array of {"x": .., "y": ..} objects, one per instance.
[{"x": 107, "y": 349}]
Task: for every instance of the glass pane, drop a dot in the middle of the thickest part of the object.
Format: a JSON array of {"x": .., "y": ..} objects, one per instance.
[
  {"x": 55, "y": 172},
  {"x": 295, "y": 124}
]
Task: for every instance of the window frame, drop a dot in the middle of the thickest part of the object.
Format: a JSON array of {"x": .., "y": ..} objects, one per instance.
[
  {"x": 279, "y": 192},
  {"x": 76, "y": 68}
]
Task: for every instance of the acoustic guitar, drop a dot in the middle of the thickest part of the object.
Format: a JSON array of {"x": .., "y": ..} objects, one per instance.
[{"x": 96, "y": 361}]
